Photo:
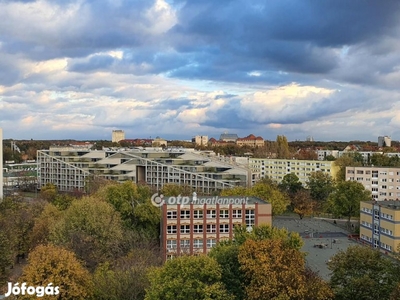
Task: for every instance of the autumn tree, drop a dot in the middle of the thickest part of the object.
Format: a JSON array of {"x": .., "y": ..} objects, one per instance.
[
  {"x": 174, "y": 190},
  {"x": 302, "y": 203},
  {"x": 226, "y": 253},
  {"x": 52, "y": 264},
  {"x": 363, "y": 273},
  {"x": 264, "y": 191},
  {"x": 91, "y": 228},
  {"x": 282, "y": 147},
  {"x": 125, "y": 278},
  {"x": 346, "y": 198},
  {"x": 347, "y": 160},
  {"x": 187, "y": 277},
  {"x": 272, "y": 271}
]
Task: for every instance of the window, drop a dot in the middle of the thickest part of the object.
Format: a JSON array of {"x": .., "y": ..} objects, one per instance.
[
  {"x": 211, "y": 243},
  {"x": 171, "y": 244},
  {"x": 211, "y": 228},
  {"x": 198, "y": 243},
  {"x": 374, "y": 182},
  {"x": 171, "y": 214},
  {"x": 237, "y": 213},
  {"x": 250, "y": 217},
  {"x": 374, "y": 189},
  {"x": 171, "y": 229},
  {"x": 185, "y": 229},
  {"x": 376, "y": 229},
  {"x": 185, "y": 214},
  {"x": 224, "y": 228},
  {"x": 185, "y": 243},
  {"x": 224, "y": 213},
  {"x": 383, "y": 180},
  {"x": 198, "y": 228},
  {"x": 211, "y": 214},
  {"x": 198, "y": 214},
  {"x": 384, "y": 186}
]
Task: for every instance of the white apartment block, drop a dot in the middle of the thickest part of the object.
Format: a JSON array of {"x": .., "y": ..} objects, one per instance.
[
  {"x": 276, "y": 169},
  {"x": 117, "y": 135},
  {"x": 384, "y": 141},
  {"x": 322, "y": 154},
  {"x": 69, "y": 168},
  {"x": 200, "y": 140},
  {"x": 383, "y": 182}
]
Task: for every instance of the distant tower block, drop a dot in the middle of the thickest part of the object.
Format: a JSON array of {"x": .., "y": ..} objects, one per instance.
[
  {"x": 117, "y": 135},
  {"x": 310, "y": 139},
  {"x": 384, "y": 141}
]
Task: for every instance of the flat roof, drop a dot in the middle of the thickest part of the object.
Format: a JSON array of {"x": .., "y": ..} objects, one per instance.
[{"x": 392, "y": 204}]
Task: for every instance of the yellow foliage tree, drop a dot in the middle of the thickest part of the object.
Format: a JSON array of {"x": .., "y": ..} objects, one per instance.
[{"x": 52, "y": 264}]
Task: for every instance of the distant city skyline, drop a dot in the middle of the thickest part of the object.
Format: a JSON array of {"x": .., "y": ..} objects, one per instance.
[{"x": 175, "y": 69}]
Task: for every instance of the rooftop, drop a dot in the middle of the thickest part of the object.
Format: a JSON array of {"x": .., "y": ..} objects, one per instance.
[{"x": 392, "y": 204}]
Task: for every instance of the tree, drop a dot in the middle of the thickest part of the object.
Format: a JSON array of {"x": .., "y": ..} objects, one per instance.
[
  {"x": 282, "y": 147},
  {"x": 125, "y": 279},
  {"x": 52, "y": 264},
  {"x": 174, "y": 190},
  {"x": 302, "y": 203},
  {"x": 272, "y": 271},
  {"x": 321, "y": 185},
  {"x": 91, "y": 228},
  {"x": 290, "y": 184},
  {"x": 265, "y": 191},
  {"x": 342, "y": 162},
  {"x": 187, "y": 277},
  {"x": 271, "y": 194},
  {"x": 6, "y": 257},
  {"x": 226, "y": 253},
  {"x": 363, "y": 273},
  {"x": 345, "y": 200},
  {"x": 134, "y": 205}
]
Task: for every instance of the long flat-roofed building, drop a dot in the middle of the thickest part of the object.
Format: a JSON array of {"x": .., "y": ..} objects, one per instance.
[
  {"x": 380, "y": 224},
  {"x": 193, "y": 225},
  {"x": 276, "y": 169},
  {"x": 69, "y": 168}
]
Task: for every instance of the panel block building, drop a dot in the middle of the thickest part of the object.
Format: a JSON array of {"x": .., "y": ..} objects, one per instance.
[
  {"x": 383, "y": 182},
  {"x": 380, "y": 224},
  {"x": 196, "y": 227},
  {"x": 276, "y": 169}
]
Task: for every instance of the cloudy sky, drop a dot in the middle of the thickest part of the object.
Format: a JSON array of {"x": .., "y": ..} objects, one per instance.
[{"x": 80, "y": 68}]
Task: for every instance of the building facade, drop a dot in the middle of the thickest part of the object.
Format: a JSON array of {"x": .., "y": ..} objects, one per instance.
[
  {"x": 276, "y": 169},
  {"x": 380, "y": 224},
  {"x": 251, "y": 141},
  {"x": 200, "y": 140},
  {"x": 194, "y": 228},
  {"x": 384, "y": 141},
  {"x": 117, "y": 135},
  {"x": 383, "y": 182},
  {"x": 69, "y": 168}
]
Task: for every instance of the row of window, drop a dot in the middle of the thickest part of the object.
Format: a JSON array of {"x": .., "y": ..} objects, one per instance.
[
  {"x": 197, "y": 243},
  {"x": 199, "y": 228},
  {"x": 210, "y": 214},
  {"x": 374, "y": 173},
  {"x": 386, "y": 231},
  {"x": 376, "y": 214}
]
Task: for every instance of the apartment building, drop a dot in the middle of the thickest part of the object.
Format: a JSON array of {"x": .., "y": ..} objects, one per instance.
[
  {"x": 380, "y": 224},
  {"x": 70, "y": 168},
  {"x": 117, "y": 135},
  {"x": 198, "y": 225},
  {"x": 276, "y": 169},
  {"x": 200, "y": 140},
  {"x": 384, "y": 141},
  {"x": 383, "y": 182}
]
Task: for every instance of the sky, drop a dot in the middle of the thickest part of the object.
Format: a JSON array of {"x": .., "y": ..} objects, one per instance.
[{"x": 78, "y": 69}]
